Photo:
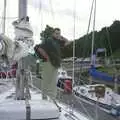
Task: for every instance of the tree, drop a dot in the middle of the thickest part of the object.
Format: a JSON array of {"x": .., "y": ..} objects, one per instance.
[
  {"x": 46, "y": 33},
  {"x": 107, "y": 37}
]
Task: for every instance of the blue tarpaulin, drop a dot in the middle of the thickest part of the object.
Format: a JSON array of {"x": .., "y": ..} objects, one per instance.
[{"x": 100, "y": 75}]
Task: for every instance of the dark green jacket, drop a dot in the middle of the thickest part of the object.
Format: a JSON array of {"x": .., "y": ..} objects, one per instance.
[{"x": 53, "y": 49}]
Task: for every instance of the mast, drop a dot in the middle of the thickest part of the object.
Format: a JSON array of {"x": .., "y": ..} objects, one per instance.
[
  {"x": 22, "y": 9},
  {"x": 4, "y": 17},
  {"x": 22, "y": 13},
  {"x": 20, "y": 82},
  {"x": 93, "y": 34}
]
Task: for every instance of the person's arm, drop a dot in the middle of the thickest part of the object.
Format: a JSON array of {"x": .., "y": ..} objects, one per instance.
[{"x": 67, "y": 42}]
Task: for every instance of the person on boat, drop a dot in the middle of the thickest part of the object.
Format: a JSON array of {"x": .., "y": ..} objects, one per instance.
[{"x": 50, "y": 52}]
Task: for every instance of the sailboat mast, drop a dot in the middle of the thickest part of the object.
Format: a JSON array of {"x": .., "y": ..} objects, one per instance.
[
  {"x": 93, "y": 34},
  {"x": 4, "y": 17},
  {"x": 22, "y": 12},
  {"x": 22, "y": 8}
]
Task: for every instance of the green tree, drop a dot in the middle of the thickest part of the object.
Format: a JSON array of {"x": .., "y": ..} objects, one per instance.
[
  {"x": 46, "y": 33},
  {"x": 107, "y": 37}
]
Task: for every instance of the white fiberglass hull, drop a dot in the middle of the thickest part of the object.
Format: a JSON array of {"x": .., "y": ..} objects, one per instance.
[
  {"x": 11, "y": 109},
  {"x": 107, "y": 101}
]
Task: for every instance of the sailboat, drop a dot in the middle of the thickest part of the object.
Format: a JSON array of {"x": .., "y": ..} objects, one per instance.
[
  {"x": 22, "y": 100},
  {"x": 99, "y": 94}
]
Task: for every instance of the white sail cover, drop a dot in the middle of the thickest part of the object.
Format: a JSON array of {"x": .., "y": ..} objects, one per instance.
[
  {"x": 24, "y": 34},
  {"x": 7, "y": 46},
  {"x": 19, "y": 48},
  {"x": 23, "y": 29}
]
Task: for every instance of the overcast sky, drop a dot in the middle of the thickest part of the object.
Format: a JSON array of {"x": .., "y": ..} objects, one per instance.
[{"x": 59, "y": 13}]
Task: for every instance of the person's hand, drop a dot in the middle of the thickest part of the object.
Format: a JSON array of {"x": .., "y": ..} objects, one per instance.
[
  {"x": 63, "y": 39},
  {"x": 68, "y": 43}
]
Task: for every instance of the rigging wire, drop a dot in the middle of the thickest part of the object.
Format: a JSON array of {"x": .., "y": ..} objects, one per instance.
[
  {"x": 74, "y": 32},
  {"x": 86, "y": 37},
  {"x": 90, "y": 16}
]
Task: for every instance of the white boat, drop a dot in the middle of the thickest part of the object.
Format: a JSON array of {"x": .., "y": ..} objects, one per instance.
[
  {"x": 30, "y": 106},
  {"x": 105, "y": 98},
  {"x": 88, "y": 92},
  {"x": 38, "y": 109},
  {"x": 35, "y": 108}
]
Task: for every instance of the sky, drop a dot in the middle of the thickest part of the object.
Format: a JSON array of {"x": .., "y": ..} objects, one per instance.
[{"x": 60, "y": 13}]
